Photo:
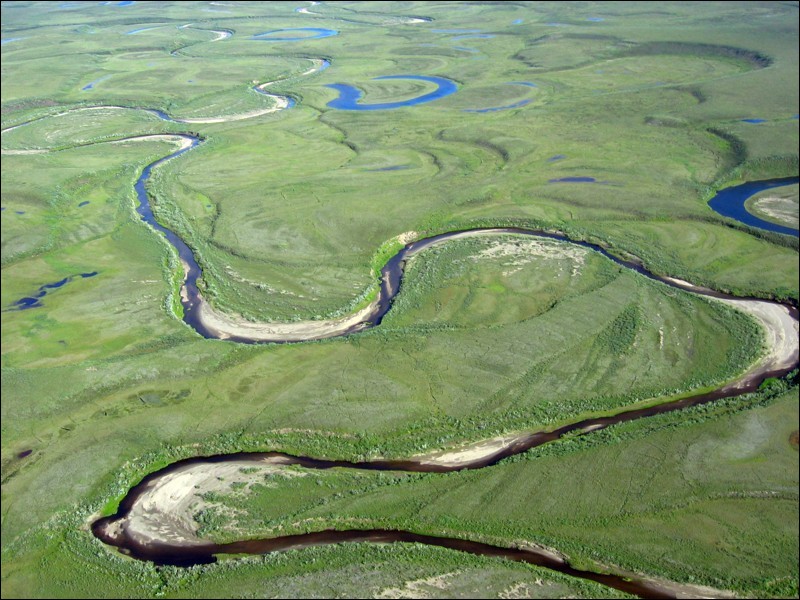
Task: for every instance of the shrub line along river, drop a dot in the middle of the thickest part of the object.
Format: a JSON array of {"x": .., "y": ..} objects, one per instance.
[{"x": 114, "y": 529}]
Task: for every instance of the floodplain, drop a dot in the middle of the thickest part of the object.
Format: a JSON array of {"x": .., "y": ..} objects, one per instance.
[{"x": 611, "y": 124}]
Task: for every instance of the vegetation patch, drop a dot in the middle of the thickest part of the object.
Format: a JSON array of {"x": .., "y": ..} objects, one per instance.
[{"x": 289, "y": 212}]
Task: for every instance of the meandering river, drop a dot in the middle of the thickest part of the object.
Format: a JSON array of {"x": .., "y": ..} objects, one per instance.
[
  {"x": 730, "y": 202},
  {"x": 124, "y": 531}
]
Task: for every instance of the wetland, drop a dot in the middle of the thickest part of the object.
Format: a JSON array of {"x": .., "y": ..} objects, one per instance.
[{"x": 351, "y": 286}]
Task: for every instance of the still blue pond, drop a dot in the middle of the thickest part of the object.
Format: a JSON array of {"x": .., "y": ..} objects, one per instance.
[
  {"x": 482, "y": 36},
  {"x": 141, "y": 29},
  {"x": 392, "y": 168},
  {"x": 496, "y": 108},
  {"x": 91, "y": 85},
  {"x": 35, "y": 300}
]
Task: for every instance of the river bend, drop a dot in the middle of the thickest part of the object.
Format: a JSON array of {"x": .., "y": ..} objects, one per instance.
[{"x": 155, "y": 541}]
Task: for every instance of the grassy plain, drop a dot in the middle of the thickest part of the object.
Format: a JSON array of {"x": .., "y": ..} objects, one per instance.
[
  {"x": 286, "y": 214},
  {"x": 704, "y": 496}
]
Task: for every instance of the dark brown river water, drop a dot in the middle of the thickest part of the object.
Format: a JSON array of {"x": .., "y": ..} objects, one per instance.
[
  {"x": 187, "y": 555},
  {"x": 391, "y": 280},
  {"x": 392, "y": 274}
]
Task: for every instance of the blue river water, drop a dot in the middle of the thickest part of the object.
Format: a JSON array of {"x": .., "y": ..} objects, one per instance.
[
  {"x": 290, "y": 101},
  {"x": 349, "y": 95},
  {"x": 317, "y": 32},
  {"x": 729, "y": 202}
]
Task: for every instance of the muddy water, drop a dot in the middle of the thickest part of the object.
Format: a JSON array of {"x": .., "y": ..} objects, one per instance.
[
  {"x": 194, "y": 555},
  {"x": 112, "y": 530},
  {"x": 109, "y": 530}
]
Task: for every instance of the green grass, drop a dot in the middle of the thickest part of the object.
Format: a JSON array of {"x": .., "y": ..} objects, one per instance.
[
  {"x": 290, "y": 217},
  {"x": 702, "y": 496},
  {"x": 353, "y": 570},
  {"x": 49, "y": 188},
  {"x": 390, "y": 393}
]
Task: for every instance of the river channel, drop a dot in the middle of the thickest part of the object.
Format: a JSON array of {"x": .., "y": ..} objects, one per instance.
[
  {"x": 730, "y": 202},
  {"x": 115, "y": 529}
]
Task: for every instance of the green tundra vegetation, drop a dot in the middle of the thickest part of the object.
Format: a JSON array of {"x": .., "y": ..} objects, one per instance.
[
  {"x": 692, "y": 518},
  {"x": 622, "y": 121}
]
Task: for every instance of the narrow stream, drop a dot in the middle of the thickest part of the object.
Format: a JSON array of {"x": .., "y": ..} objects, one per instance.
[{"x": 112, "y": 530}]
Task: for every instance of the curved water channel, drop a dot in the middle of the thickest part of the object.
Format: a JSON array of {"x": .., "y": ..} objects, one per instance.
[
  {"x": 121, "y": 531},
  {"x": 117, "y": 530},
  {"x": 349, "y": 96},
  {"x": 315, "y": 33},
  {"x": 730, "y": 202}
]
